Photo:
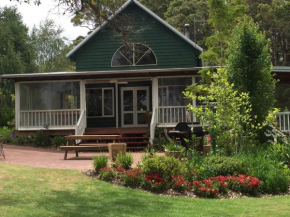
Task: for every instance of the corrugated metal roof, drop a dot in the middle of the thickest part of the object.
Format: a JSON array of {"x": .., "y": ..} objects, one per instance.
[{"x": 88, "y": 73}]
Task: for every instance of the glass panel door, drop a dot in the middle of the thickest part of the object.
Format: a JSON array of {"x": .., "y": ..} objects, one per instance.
[
  {"x": 142, "y": 106},
  {"x": 128, "y": 107},
  {"x": 135, "y": 102}
]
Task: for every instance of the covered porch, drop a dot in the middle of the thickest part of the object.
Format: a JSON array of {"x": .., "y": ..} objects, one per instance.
[{"x": 102, "y": 103}]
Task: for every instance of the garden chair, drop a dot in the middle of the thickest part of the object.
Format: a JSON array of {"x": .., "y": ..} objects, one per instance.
[{"x": 2, "y": 150}]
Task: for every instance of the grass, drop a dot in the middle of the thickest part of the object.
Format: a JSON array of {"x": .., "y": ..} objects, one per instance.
[{"x": 26, "y": 191}]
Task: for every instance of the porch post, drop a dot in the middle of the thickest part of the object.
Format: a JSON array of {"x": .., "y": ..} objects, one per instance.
[
  {"x": 154, "y": 120},
  {"x": 83, "y": 99},
  {"x": 117, "y": 105},
  {"x": 193, "y": 101},
  {"x": 17, "y": 106}
]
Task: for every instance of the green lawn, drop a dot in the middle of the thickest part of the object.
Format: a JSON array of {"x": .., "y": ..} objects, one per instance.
[{"x": 26, "y": 191}]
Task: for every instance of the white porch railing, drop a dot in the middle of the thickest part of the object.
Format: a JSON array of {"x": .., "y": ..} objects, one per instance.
[
  {"x": 283, "y": 119},
  {"x": 153, "y": 125},
  {"x": 50, "y": 118},
  {"x": 82, "y": 124},
  {"x": 171, "y": 115}
]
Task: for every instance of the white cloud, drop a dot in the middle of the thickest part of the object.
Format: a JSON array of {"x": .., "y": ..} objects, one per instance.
[{"x": 33, "y": 15}]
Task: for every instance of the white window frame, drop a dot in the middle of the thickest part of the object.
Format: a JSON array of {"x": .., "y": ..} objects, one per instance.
[
  {"x": 134, "y": 61},
  {"x": 103, "y": 105}
]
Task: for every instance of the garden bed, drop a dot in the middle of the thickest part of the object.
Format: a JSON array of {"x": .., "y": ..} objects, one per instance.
[{"x": 210, "y": 176}]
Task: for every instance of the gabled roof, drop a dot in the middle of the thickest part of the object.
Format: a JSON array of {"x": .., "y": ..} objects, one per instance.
[{"x": 147, "y": 11}]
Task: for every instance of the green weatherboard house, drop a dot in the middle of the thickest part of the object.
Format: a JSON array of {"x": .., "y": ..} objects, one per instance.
[{"x": 115, "y": 87}]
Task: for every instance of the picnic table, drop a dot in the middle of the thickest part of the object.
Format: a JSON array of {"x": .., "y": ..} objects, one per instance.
[{"x": 80, "y": 143}]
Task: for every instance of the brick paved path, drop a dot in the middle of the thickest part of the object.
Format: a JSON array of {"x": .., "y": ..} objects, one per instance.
[{"x": 35, "y": 157}]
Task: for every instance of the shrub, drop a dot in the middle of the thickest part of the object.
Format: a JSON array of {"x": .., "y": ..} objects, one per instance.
[
  {"x": 274, "y": 177},
  {"x": 5, "y": 134},
  {"x": 133, "y": 177},
  {"x": 124, "y": 160},
  {"x": 180, "y": 183},
  {"x": 107, "y": 174},
  {"x": 58, "y": 141},
  {"x": 166, "y": 167},
  {"x": 281, "y": 152},
  {"x": 210, "y": 187},
  {"x": 41, "y": 139},
  {"x": 207, "y": 188},
  {"x": 222, "y": 166},
  {"x": 155, "y": 183},
  {"x": 245, "y": 184},
  {"x": 100, "y": 162},
  {"x": 21, "y": 140}
]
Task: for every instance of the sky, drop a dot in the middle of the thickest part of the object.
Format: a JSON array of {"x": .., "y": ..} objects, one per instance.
[{"x": 33, "y": 15}]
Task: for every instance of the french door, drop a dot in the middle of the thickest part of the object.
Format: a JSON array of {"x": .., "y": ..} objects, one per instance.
[{"x": 134, "y": 104}]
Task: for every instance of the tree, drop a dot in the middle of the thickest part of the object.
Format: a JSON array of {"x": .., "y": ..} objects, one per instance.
[
  {"x": 159, "y": 7},
  {"x": 17, "y": 55},
  {"x": 193, "y": 12},
  {"x": 274, "y": 19},
  {"x": 225, "y": 112},
  {"x": 91, "y": 14},
  {"x": 249, "y": 67},
  {"x": 51, "y": 47},
  {"x": 223, "y": 16}
]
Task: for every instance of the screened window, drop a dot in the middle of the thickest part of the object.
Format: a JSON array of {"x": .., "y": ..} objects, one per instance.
[
  {"x": 134, "y": 55},
  {"x": 170, "y": 91},
  {"x": 49, "y": 96},
  {"x": 100, "y": 102}
]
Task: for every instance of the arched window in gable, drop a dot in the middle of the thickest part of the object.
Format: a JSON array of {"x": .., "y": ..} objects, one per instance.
[{"x": 134, "y": 55}]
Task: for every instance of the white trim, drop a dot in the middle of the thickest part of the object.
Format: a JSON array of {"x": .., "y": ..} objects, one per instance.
[
  {"x": 46, "y": 81},
  {"x": 117, "y": 105},
  {"x": 103, "y": 105},
  {"x": 133, "y": 64},
  {"x": 17, "y": 106},
  {"x": 134, "y": 112},
  {"x": 50, "y": 128},
  {"x": 146, "y": 10}
]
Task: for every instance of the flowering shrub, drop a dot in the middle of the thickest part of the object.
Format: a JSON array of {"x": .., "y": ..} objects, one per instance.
[
  {"x": 155, "y": 182},
  {"x": 120, "y": 172},
  {"x": 180, "y": 184},
  {"x": 107, "y": 174},
  {"x": 207, "y": 187},
  {"x": 133, "y": 177},
  {"x": 220, "y": 184},
  {"x": 242, "y": 183}
]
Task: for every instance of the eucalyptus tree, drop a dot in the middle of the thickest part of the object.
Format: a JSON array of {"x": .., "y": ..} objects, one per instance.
[
  {"x": 192, "y": 12},
  {"x": 17, "y": 55},
  {"x": 51, "y": 47}
]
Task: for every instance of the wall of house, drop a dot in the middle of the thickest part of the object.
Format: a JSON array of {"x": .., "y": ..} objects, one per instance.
[{"x": 171, "y": 50}]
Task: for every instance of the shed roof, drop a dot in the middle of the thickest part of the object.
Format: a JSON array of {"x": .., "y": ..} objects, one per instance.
[{"x": 70, "y": 54}]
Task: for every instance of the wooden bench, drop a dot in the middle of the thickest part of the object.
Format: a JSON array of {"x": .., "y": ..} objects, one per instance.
[{"x": 84, "y": 146}]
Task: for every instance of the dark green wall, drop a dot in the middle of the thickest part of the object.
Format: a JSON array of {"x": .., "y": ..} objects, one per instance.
[{"x": 170, "y": 49}]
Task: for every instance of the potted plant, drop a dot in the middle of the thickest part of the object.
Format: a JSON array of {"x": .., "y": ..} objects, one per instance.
[
  {"x": 207, "y": 146},
  {"x": 173, "y": 150}
]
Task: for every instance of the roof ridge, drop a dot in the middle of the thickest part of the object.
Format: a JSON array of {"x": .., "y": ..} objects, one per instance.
[{"x": 124, "y": 6}]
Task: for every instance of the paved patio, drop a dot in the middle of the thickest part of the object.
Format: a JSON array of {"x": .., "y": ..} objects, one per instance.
[{"x": 35, "y": 157}]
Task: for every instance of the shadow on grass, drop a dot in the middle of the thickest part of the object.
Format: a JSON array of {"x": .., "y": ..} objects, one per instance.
[{"x": 113, "y": 202}]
